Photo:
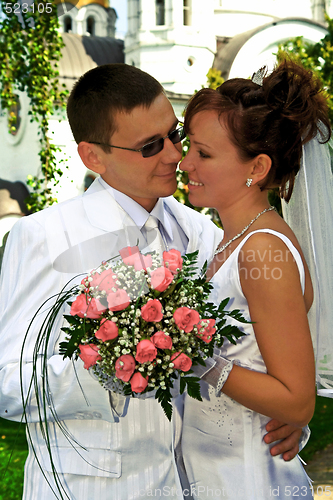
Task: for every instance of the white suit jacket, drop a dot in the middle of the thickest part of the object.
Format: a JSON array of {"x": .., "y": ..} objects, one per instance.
[{"x": 122, "y": 458}]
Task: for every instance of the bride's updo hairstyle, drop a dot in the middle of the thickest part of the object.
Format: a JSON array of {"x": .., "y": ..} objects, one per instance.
[{"x": 275, "y": 118}]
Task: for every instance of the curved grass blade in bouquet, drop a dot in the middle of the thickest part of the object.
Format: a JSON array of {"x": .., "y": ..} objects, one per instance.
[{"x": 40, "y": 385}]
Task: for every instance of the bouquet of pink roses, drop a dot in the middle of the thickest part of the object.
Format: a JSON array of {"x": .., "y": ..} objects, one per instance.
[{"x": 139, "y": 323}]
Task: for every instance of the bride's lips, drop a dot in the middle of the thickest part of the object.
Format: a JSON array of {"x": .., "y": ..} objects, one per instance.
[{"x": 193, "y": 185}]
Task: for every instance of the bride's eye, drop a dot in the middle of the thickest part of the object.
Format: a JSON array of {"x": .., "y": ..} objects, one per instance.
[{"x": 203, "y": 155}]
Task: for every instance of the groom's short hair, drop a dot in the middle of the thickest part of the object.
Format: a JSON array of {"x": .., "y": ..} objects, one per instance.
[{"x": 101, "y": 93}]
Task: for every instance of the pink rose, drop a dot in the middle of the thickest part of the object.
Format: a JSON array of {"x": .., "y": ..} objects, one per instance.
[
  {"x": 161, "y": 279},
  {"x": 173, "y": 260},
  {"x": 118, "y": 300},
  {"x": 132, "y": 257},
  {"x": 125, "y": 366},
  {"x": 181, "y": 361},
  {"x": 80, "y": 305},
  {"x": 142, "y": 262},
  {"x": 127, "y": 253},
  {"x": 89, "y": 354},
  {"x": 138, "y": 382},
  {"x": 161, "y": 340},
  {"x": 84, "y": 306},
  {"x": 206, "y": 331},
  {"x": 186, "y": 318},
  {"x": 152, "y": 311},
  {"x": 107, "y": 331},
  {"x": 104, "y": 281},
  {"x": 145, "y": 351}
]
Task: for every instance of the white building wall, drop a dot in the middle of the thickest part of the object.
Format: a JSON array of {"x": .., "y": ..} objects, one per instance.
[
  {"x": 234, "y": 17},
  {"x": 178, "y": 56}
]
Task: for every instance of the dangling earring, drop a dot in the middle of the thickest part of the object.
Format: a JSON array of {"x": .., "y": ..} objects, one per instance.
[{"x": 249, "y": 182}]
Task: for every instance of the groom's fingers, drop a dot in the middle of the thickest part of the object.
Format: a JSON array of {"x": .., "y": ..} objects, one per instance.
[
  {"x": 289, "y": 436},
  {"x": 288, "y": 447},
  {"x": 274, "y": 425}
]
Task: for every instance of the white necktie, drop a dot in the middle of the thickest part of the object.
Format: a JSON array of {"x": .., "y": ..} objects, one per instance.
[{"x": 153, "y": 236}]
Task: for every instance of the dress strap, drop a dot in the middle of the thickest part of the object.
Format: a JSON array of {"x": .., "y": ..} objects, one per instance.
[{"x": 293, "y": 250}]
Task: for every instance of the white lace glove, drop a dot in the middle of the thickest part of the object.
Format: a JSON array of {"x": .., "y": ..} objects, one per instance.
[{"x": 216, "y": 371}]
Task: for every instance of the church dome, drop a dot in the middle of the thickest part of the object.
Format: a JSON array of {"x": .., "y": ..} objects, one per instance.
[{"x": 83, "y": 3}]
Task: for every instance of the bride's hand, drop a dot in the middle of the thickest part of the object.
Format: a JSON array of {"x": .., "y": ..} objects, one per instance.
[{"x": 290, "y": 436}]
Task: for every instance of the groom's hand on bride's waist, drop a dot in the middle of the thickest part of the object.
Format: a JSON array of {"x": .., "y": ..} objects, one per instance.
[{"x": 288, "y": 437}]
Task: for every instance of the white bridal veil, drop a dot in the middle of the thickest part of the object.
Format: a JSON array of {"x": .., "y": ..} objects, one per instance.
[{"x": 310, "y": 214}]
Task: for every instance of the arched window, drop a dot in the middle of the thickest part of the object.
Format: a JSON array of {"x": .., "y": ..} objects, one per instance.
[
  {"x": 91, "y": 25},
  {"x": 67, "y": 24},
  {"x": 160, "y": 12},
  {"x": 187, "y": 12}
]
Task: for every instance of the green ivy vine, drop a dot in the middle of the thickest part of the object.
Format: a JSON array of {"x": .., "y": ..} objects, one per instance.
[{"x": 30, "y": 49}]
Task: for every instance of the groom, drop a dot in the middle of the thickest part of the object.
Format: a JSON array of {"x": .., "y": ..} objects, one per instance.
[{"x": 127, "y": 133}]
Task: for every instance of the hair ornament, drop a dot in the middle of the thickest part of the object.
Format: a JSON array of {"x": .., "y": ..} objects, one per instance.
[{"x": 258, "y": 77}]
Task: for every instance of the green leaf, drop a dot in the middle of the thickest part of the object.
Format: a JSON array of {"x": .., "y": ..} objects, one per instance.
[
  {"x": 193, "y": 387},
  {"x": 198, "y": 360},
  {"x": 223, "y": 304},
  {"x": 164, "y": 397}
]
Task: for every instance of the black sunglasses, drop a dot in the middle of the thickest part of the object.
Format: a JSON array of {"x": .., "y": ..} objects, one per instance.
[{"x": 154, "y": 147}]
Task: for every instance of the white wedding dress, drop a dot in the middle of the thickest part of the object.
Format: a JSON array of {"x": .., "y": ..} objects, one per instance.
[{"x": 223, "y": 448}]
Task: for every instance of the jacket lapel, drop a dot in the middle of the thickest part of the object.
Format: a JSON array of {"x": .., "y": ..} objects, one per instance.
[
  {"x": 98, "y": 234},
  {"x": 189, "y": 225},
  {"x": 101, "y": 208}
]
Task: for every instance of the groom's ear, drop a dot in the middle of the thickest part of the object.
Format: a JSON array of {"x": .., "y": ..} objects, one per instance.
[
  {"x": 92, "y": 157},
  {"x": 261, "y": 166}
]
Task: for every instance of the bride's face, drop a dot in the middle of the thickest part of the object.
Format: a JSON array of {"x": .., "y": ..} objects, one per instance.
[{"x": 217, "y": 175}]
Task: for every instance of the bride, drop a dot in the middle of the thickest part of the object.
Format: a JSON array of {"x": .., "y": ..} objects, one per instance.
[{"x": 247, "y": 137}]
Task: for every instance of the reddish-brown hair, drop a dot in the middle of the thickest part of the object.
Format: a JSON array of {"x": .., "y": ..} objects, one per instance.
[{"x": 276, "y": 118}]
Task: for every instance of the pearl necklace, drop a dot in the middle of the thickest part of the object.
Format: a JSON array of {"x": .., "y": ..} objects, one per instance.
[{"x": 221, "y": 249}]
